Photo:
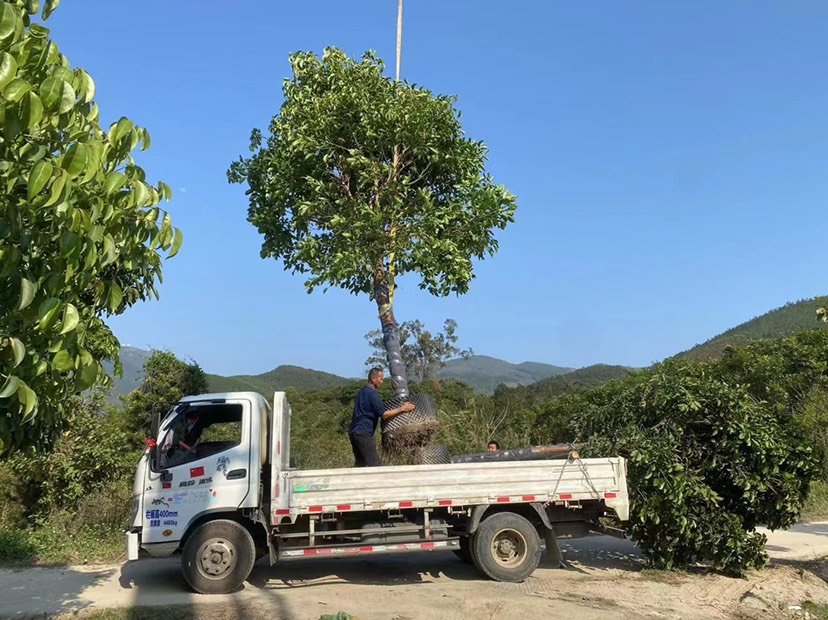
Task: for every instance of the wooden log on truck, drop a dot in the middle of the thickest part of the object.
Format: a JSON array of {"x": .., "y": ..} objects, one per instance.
[{"x": 532, "y": 453}]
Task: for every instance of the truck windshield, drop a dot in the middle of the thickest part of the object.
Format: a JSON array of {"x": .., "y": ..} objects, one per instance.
[{"x": 198, "y": 431}]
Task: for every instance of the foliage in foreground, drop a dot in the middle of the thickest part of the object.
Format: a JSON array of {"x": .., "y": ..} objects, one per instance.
[
  {"x": 707, "y": 463},
  {"x": 80, "y": 229},
  {"x": 70, "y": 503}
]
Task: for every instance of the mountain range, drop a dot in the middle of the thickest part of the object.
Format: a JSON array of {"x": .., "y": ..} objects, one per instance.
[{"x": 485, "y": 373}]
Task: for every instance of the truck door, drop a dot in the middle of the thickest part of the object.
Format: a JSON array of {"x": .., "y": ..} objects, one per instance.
[{"x": 203, "y": 465}]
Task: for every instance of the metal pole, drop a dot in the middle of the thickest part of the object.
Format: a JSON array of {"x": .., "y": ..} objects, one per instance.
[{"x": 399, "y": 36}]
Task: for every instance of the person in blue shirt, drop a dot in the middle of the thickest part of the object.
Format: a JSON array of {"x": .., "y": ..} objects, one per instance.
[{"x": 368, "y": 411}]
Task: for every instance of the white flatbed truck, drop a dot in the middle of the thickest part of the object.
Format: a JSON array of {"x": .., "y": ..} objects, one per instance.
[{"x": 233, "y": 497}]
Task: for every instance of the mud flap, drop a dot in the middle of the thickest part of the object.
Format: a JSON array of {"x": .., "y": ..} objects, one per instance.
[{"x": 554, "y": 557}]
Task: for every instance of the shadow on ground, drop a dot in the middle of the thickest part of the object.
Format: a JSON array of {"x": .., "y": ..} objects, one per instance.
[{"x": 25, "y": 597}]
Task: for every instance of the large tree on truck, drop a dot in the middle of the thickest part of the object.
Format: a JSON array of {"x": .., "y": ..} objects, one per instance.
[
  {"x": 363, "y": 179},
  {"x": 81, "y": 230}
]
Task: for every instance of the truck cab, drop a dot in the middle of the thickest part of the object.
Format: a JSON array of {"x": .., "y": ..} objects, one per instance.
[{"x": 219, "y": 472}]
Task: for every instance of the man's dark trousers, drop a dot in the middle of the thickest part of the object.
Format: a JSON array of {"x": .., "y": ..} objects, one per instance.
[{"x": 365, "y": 450}]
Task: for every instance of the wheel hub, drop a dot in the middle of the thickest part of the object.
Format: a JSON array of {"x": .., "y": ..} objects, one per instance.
[
  {"x": 509, "y": 548},
  {"x": 216, "y": 557},
  {"x": 506, "y": 547}
]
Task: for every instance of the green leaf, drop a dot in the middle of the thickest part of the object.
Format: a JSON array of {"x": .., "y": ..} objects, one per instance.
[
  {"x": 114, "y": 182},
  {"x": 76, "y": 159},
  {"x": 32, "y": 6},
  {"x": 179, "y": 239},
  {"x": 38, "y": 177},
  {"x": 18, "y": 350},
  {"x": 86, "y": 377},
  {"x": 109, "y": 250},
  {"x": 47, "y": 313},
  {"x": 70, "y": 318},
  {"x": 49, "y": 7},
  {"x": 116, "y": 296},
  {"x": 15, "y": 89},
  {"x": 88, "y": 86},
  {"x": 118, "y": 130},
  {"x": 141, "y": 193},
  {"x": 9, "y": 387},
  {"x": 38, "y": 31},
  {"x": 8, "y": 68},
  {"x": 8, "y": 20},
  {"x": 69, "y": 244},
  {"x": 31, "y": 110},
  {"x": 57, "y": 187},
  {"x": 27, "y": 293},
  {"x": 165, "y": 191},
  {"x": 57, "y": 95},
  {"x": 146, "y": 141},
  {"x": 27, "y": 398},
  {"x": 63, "y": 361}
]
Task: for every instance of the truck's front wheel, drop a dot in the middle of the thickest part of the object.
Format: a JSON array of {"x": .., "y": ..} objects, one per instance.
[
  {"x": 506, "y": 547},
  {"x": 218, "y": 557}
]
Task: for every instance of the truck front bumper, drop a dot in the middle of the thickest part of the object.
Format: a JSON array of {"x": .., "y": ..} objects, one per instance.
[{"x": 133, "y": 543}]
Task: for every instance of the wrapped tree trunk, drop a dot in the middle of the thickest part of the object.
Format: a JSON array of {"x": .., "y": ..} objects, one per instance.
[{"x": 390, "y": 334}]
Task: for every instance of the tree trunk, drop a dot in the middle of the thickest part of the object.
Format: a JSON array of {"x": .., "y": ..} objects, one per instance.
[{"x": 390, "y": 334}]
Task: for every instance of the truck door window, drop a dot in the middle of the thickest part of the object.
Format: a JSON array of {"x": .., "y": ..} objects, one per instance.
[{"x": 201, "y": 431}]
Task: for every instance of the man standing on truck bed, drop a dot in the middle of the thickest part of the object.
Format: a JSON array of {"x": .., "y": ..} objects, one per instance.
[{"x": 368, "y": 410}]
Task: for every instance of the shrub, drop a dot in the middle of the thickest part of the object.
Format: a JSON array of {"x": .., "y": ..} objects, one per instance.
[{"x": 707, "y": 464}]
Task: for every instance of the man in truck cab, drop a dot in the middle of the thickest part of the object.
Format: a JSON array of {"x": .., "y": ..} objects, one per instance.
[
  {"x": 183, "y": 439},
  {"x": 368, "y": 411}
]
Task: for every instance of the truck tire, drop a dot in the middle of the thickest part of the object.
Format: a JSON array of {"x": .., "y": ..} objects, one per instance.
[
  {"x": 217, "y": 557},
  {"x": 435, "y": 454},
  {"x": 506, "y": 547}
]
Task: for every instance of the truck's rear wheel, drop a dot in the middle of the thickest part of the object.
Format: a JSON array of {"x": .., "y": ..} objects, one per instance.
[
  {"x": 218, "y": 557},
  {"x": 506, "y": 547}
]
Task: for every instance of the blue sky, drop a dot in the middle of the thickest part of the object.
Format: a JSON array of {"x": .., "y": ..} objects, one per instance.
[{"x": 669, "y": 160}]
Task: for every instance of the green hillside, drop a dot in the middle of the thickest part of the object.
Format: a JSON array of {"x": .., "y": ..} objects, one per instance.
[
  {"x": 279, "y": 378},
  {"x": 485, "y": 373},
  {"x": 552, "y": 387},
  {"x": 783, "y": 321}
]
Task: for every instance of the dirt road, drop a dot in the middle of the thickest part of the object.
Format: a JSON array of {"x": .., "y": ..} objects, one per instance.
[{"x": 605, "y": 581}]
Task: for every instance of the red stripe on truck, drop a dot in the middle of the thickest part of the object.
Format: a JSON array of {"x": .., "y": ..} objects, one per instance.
[
  {"x": 444, "y": 502},
  {"x": 528, "y": 498},
  {"x": 283, "y": 511},
  {"x": 610, "y": 495},
  {"x": 315, "y": 509},
  {"x": 565, "y": 496},
  {"x": 502, "y": 500},
  {"x": 343, "y": 507},
  {"x": 406, "y": 504}
]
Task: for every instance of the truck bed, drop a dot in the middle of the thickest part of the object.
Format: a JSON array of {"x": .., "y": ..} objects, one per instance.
[{"x": 466, "y": 484}]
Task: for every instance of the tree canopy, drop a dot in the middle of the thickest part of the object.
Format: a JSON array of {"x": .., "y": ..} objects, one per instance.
[
  {"x": 80, "y": 230},
  {"x": 363, "y": 179}
]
